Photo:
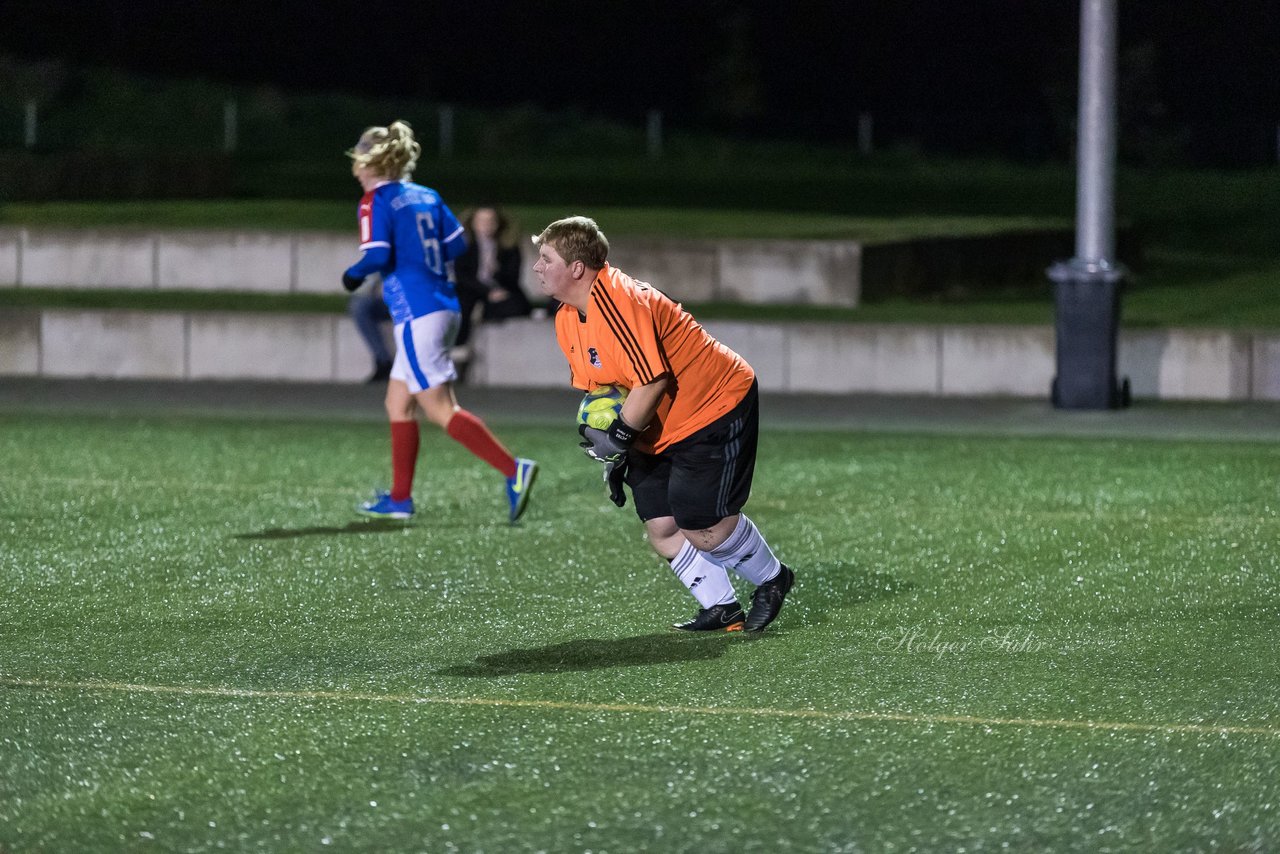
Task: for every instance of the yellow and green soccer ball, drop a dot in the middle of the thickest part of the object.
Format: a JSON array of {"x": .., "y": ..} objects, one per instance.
[{"x": 601, "y": 406}]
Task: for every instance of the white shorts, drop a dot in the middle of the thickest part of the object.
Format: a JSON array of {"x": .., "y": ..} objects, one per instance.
[{"x": 422, "y": 350}]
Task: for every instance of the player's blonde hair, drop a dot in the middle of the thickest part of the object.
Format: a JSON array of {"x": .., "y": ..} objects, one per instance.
[
  {"x": 576, "y": 238},
  {"x": 389, "y": 152}
]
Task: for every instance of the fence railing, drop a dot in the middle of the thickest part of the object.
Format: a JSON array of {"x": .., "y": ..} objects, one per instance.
[
  {"x": 104, "y": 134},
  {"x": 64, "y": 110}
]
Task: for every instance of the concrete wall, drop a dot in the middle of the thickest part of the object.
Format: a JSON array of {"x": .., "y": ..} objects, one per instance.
[
  {"x": 181, "y": 345},
  {"x": 836, "y": 358},
  {"x": 1201, "y": 364},
  {"x": 819, "y": 272},
  {"x": 175, "y": 259}
]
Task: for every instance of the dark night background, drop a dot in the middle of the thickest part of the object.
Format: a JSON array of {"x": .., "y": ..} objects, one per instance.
[{"x": 983, "y": 71}]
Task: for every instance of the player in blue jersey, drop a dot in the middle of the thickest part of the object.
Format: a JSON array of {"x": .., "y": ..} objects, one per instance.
[{"x": 409, "y": 236}]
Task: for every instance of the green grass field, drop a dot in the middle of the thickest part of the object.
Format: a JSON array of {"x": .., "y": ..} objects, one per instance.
[{"x": 994, "y": 644}]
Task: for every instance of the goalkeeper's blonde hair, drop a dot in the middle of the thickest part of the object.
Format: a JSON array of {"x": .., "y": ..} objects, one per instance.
[{"x": 388, "y": 152}]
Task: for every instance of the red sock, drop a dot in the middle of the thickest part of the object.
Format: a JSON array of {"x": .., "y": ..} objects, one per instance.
[
  {"x": 476, "y": 438},
  {"x": 404, "y": 457}
]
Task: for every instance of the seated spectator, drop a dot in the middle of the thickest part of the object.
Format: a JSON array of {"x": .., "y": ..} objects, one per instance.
[{"x": 488, "y": 273}]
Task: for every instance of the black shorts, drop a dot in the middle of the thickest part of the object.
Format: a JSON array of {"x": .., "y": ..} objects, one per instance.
[{"x": 703, "y": 478}]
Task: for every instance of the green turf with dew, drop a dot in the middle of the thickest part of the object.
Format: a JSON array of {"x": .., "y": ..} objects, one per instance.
[{"x": 1045, "y": 642}]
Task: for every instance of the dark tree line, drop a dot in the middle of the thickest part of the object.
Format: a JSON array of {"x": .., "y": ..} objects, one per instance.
[{"x": 1198, "y": 79}]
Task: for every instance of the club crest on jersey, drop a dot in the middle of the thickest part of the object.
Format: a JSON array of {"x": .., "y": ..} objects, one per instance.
[{"x": 595, "y": 357}]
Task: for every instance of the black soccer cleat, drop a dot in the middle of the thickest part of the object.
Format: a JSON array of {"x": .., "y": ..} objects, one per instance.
[
  {"x": 717, "y": 618},
  {"x": 766, "y": 602}
]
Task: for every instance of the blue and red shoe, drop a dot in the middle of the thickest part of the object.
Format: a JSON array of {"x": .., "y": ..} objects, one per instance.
[{"x": 383, "y": 506}]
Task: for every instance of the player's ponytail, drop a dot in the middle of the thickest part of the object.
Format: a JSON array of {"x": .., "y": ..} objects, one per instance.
[{"x": 390, "y": 152}]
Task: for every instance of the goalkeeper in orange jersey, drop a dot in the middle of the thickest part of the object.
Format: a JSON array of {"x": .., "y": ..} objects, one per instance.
[{"x": 685, "y": 442}]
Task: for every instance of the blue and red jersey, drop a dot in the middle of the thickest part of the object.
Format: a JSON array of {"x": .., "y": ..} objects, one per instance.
[{"x": 409, "y": 236}]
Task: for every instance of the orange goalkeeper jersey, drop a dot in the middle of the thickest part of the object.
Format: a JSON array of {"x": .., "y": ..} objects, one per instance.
[{"x": 632, "y": 335}]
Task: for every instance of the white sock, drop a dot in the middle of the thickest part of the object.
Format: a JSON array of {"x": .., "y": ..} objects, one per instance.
[
  {"x": 747, "y": 554},
  {"x": 706, "y": 579}
]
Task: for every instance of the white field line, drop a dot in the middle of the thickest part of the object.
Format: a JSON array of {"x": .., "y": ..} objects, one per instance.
[
  {"x": 637, "y": 708},
  {"x": 196, "y": 485}
]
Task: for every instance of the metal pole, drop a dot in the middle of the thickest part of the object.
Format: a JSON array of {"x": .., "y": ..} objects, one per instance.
[
  {"x": 864, "y": 133},
  {"x": 1087, "y": 288},
  {"x": 653, "y": 134},
  {"x": 229, "y": 125},
  {"x": 446, "y": 130},
  {"x": 1095, "y": 188},
  {"x": 29, "y": 129}
]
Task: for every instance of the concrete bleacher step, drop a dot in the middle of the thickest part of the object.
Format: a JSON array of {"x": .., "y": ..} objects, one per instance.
[{"x": 834, "y": 358}]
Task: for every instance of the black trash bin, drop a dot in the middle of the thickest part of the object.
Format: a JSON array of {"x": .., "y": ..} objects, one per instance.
[{"x": 1086, "y": 329}]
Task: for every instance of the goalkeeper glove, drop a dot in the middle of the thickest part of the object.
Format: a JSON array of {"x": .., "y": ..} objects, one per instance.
[
  {"x": 607, "y": 446},
  {"x": 351, "y": 282},
  {"x": 615, "y": 474},
  {"x": 610, "y": 447}
]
